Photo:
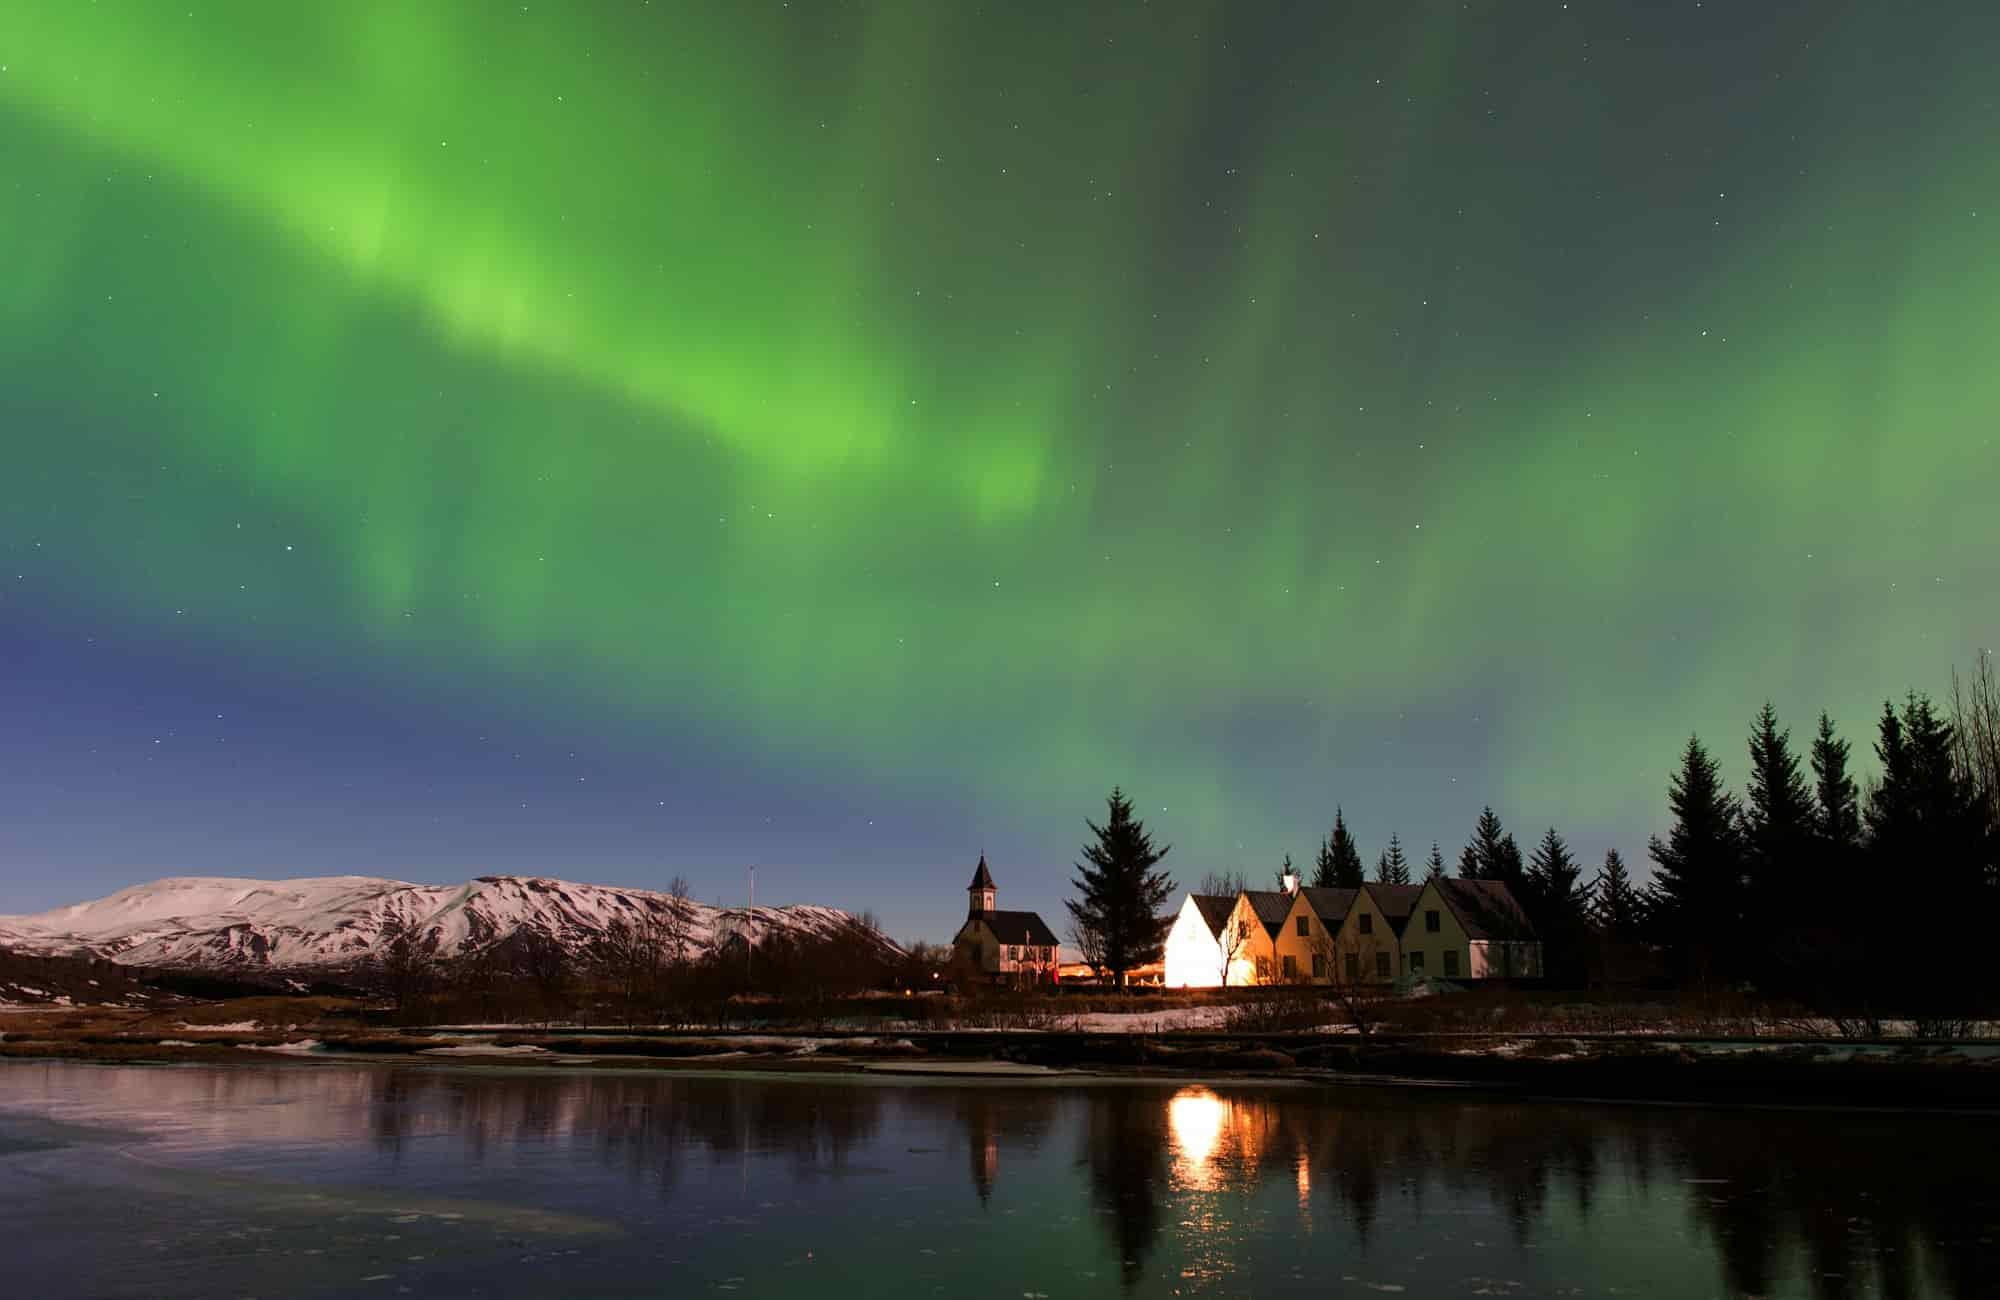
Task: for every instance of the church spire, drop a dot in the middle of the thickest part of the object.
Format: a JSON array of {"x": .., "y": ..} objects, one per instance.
[{"x": 982, "y": 890}]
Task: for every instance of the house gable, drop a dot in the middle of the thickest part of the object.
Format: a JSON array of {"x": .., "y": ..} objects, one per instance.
[{"x": 1193, "y": 956}]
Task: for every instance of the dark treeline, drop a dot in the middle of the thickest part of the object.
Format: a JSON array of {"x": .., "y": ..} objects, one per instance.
[{"x": 1800, "y": 888}]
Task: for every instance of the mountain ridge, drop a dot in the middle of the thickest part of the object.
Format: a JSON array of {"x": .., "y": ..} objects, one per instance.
[{"x": 329, "y": 923}]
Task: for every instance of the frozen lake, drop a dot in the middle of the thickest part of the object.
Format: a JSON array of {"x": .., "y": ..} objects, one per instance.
[{"x": 314, "y": 1179}]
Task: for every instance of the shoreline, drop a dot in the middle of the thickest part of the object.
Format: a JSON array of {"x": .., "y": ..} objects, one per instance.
[{"x": 1961, "y": 1078}]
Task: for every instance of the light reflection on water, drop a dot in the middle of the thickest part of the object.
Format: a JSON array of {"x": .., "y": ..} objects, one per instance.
[{"x": 310, "y": 1179}]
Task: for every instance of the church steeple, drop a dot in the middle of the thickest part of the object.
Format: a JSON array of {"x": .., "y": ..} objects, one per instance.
[{"x": 982, "y": 890}]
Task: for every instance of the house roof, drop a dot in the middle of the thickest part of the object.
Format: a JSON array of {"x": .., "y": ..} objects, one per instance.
[
  {"x": 1018, "y": 927},
  {"x": 982, "y": 878},
  {"x": 1329, "y": 904},
  {"x": 1395, "y": 901},
  {"x": 1214, "y": 909},
  {"x": 1486, "y": 908},
  {"x": 1271, "y": 906}
]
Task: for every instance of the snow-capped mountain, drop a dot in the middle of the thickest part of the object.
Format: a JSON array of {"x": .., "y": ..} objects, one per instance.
[{"x": 334, "y": 922}]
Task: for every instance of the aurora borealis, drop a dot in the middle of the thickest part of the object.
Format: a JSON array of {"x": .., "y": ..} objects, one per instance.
[{"x": 621, "y": 439}]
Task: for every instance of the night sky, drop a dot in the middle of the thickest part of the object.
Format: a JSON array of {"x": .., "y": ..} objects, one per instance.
[{"x": 618, "y": 440}]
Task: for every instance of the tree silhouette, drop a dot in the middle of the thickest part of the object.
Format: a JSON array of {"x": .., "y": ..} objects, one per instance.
[
  {"x": 1392, "y": 868},
  {"x": 1338, "y": 865},
  {"x": 1695, "y": 901},
  {"x": 1120, "y": 893}
]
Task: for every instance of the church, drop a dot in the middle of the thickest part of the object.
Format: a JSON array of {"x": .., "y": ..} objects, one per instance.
[{"x": 1014, "y": 947}]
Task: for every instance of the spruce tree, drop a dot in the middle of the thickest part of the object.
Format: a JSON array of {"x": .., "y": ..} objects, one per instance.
[
  {"x": 1491, "y": 853},
  {"x": 1924, "y": 822},
  {"x": 1558, "y": 903},
  {"x": 1925, "y": 814},
  {"x": 1434, "y": 869},
  {"x": 1695, "y": 901},
  {"x": 1839, "y": 813},
  {"x": 1779, "y": 834},
  {"x": 1339, "y": 862},
  {"x": 1555, "y": 880},
  {"x": 1615, "y": 907},
  {"x": 1121, "y": 896},
  {"x": 1393, "y": 868}
]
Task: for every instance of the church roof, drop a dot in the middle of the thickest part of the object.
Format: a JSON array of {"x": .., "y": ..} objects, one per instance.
[
  {"x": 982, "y": 878},
  {"x": 1018, "y": 927}
]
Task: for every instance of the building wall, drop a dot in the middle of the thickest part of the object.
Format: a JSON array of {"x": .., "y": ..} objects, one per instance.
[
  {"x": 1506, "y": 959},
  {"x": 1193, "y": 957},
  {"x": 1300, "y": 947},
  {"x": 1251, "y": 957},
  {"x": 1449, "y": 938},
  {"x": 1379, "y": 940}
]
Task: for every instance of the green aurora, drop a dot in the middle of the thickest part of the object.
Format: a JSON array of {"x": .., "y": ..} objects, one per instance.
[{"x": 1419, "y": 408}]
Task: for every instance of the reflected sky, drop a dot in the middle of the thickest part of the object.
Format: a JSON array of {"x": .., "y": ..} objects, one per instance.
[{"x": 311, "y": 1180}]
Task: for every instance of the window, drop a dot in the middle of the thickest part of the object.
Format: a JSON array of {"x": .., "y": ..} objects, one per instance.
[
  {"x": 1451, "y": 961},
  {"x": 1431, "y": 923},
  {"x": 1353, "y": 967},
  {"x": 1382, "y": 965},
  {"x": 1305, "y": 925},
  {"x": 1319, "y": 965},
  {"x": 1291, "y": 967},
  {"x": 1367, "y": 923},
  {"x": 1242, "y": 931},
  {"x": 1416, "y": 963}
]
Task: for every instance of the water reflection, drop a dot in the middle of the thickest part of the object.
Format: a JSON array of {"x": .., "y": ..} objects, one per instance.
[{"x": 1221, "y": 1189}]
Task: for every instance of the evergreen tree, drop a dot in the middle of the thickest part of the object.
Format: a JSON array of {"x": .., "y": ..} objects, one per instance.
[
  {"x": 1695, "y": 901},
  {"x": 1558, "y": 903},
  {"x": 1779, "y": 834},
  {"x": 1555, "y": 882},
  {"x": 1925, "y": 815},
  {"x": 1339, "y": 860},
  {"x": 1121, "y": 896},
  {"x": 1924, "y": 821},
  {"x": 1285, "y": 873},
  {"x": 1839, "y": 813},
  {"x": 1434, "y": 869},
  {"x": 1615, "y": 907},
  {"x": 1393, "y": 868},
  {"x": 1491, "y": 854}
]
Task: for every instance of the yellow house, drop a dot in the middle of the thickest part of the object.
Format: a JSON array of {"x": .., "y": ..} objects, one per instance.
[
  {"x": 1469, "y": 929},
  {"x": 1348, "y": 936},
  {"x": 1248, "y": 940},
  {"x": 1306, "y": 941}
]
